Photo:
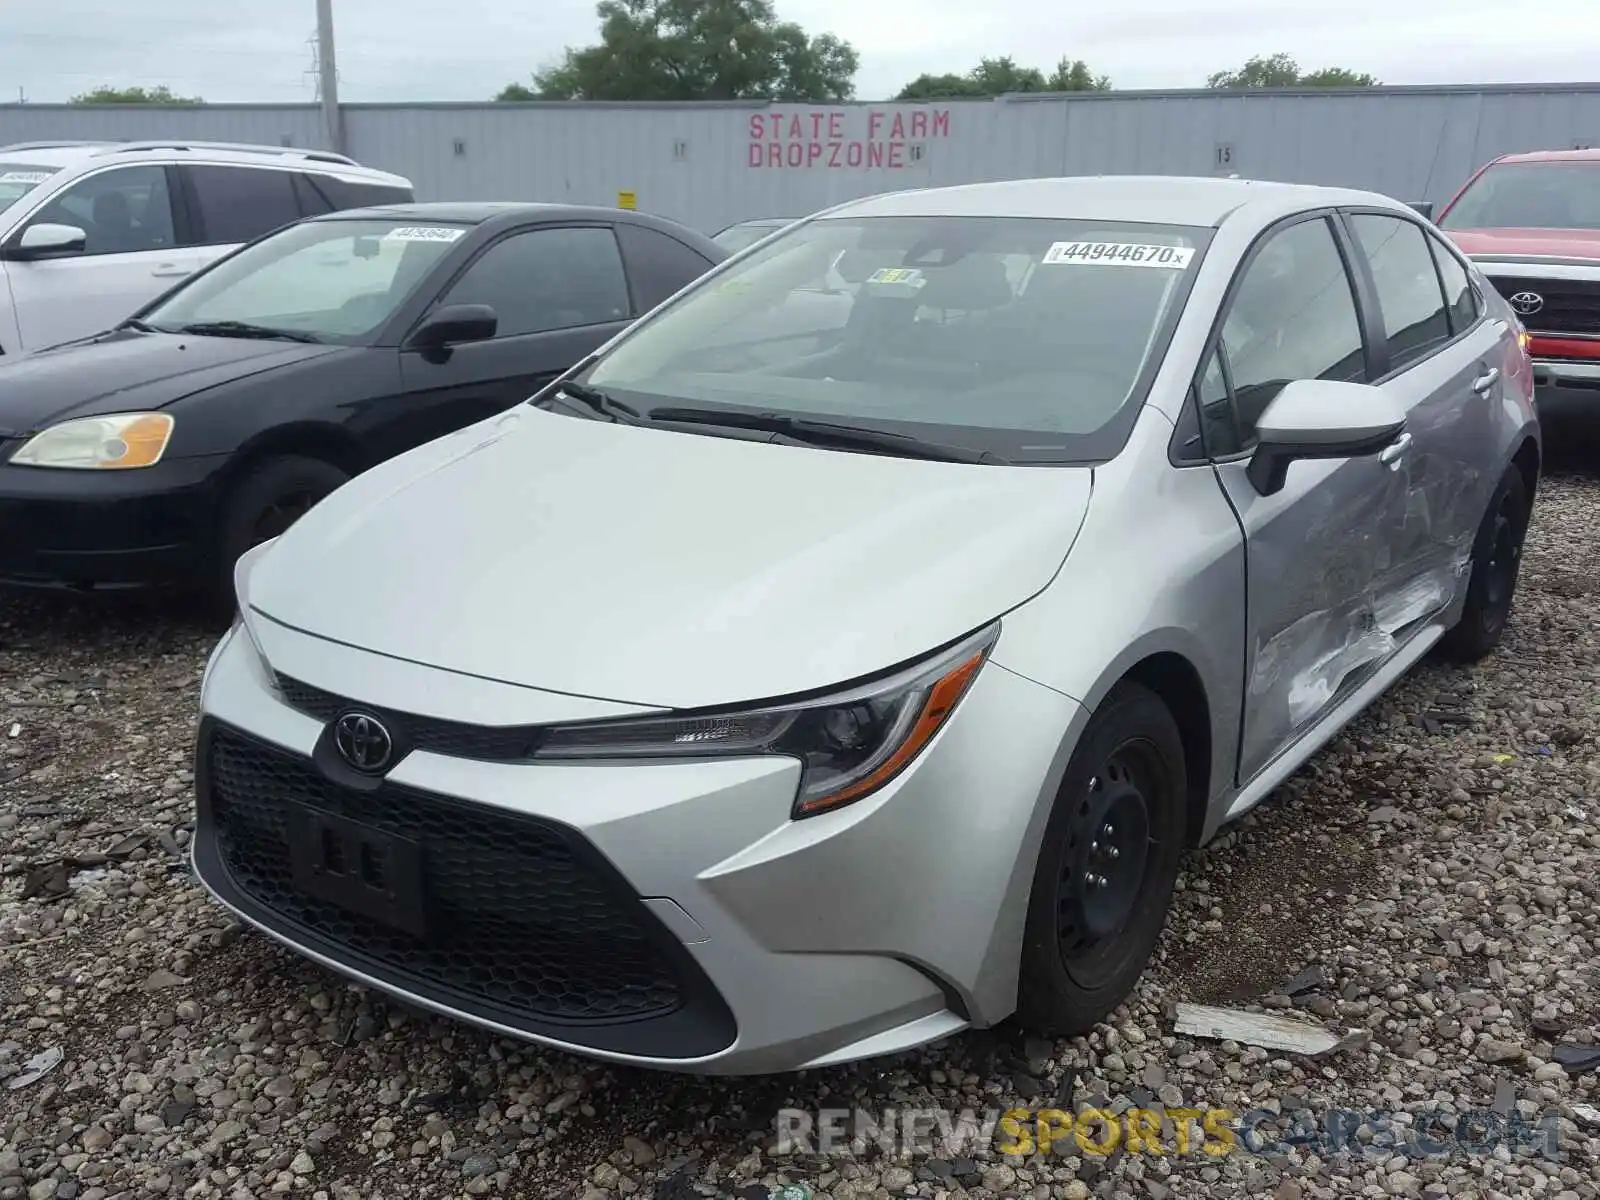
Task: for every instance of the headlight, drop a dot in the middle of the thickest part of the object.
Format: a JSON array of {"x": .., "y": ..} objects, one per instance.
[
  {"x": 115, "y": 443},
  {"x": 849, "y": 744}
]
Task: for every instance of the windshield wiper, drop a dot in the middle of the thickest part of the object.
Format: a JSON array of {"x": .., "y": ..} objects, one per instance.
[
  {"x": 243, "y": 329},
  {"x": 827, "y": 433},
  {"x": 141, "y": 326},
  {"x": 598, "y": 402}
]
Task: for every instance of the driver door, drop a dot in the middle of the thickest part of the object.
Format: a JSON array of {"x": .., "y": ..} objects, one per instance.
[
  {"x": 131, "y": 256},
  {"x": 1318, "y": 552},
  {"x": 559, "y": 292}
]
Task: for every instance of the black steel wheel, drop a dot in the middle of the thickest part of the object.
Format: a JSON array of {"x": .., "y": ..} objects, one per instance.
[
  {"x": 264, "y": 503},
  {"x": 1107, "y": 867}
]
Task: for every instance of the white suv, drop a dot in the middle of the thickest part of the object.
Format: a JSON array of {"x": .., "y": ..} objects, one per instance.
[{"x": 91, "y": 231}]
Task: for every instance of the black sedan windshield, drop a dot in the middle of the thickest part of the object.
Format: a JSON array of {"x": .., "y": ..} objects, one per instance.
[
  {"x": 1024, "y": 337},
  {"x": 328, "y": 281}
]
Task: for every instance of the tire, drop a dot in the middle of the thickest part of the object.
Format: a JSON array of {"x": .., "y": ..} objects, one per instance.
[
  {"x": 1496, "y": 559},
  {"x": 1080, "y": 959},
  {"x": 272, "y": 496}
]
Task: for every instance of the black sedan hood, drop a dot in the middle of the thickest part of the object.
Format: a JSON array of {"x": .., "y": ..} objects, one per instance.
[{"x": 130, "y": 371}]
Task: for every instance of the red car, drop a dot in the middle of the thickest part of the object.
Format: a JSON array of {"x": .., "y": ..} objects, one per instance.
[{"x": 1531, "y": 222}]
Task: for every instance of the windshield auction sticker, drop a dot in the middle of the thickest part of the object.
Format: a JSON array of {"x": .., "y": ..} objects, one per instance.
[
  {"x": 24, "y": 176},
  {"x": 903, "y": 275},
  {"x": 1118, "y": 254},
  {"x": 424, "y": 233}
]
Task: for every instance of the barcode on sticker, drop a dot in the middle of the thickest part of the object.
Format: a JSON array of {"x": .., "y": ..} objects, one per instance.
[
  {"x": 424, "y": 233},
  {"x": 1119, "y": 254},
  {"x": 24, "y": 176}
]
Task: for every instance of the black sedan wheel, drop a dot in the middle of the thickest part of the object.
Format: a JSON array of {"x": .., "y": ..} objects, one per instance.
[
  {"x": 1107, "y": 866},
  {"x": 273, "y": 496}
]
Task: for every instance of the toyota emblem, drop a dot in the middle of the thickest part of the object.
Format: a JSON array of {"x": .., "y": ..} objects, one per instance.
[
  {"x": 363, "y": 741},
  {"x": 1527, "y": 303}
]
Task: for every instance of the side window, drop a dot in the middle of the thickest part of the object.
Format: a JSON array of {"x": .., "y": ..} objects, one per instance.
[
  {"x": 659, "y": 265},
  {"x": 1293, "y": 317},
  {"x": 342, "y": 193},
  {"x": 121, "y": 211},
  {"x": 1217, "y": 428},
  {"x": 547, "y": 279},
  {"x": 1459, "y": 294},
  {"x": 239, "y": 204},
  {"x": 312, "y": 202},
  {"x": 1408, "y": 286}
]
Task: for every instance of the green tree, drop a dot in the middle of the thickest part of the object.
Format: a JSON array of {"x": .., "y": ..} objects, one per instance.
[
  {"x": 697, "y": 50},
  {"x": 1000, "y": 76},
  {"x": 106, "y": 94},
  {"x": 1281, "y": 71}
]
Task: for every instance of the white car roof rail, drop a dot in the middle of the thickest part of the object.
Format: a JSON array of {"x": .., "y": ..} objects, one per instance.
[{"x": 326, "y": 156}]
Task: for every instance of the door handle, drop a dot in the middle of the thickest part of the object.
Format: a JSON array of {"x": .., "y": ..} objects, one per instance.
[
  {"x": 1391, "y": 454},
  {"x": 1486, "y": 381},
  {"x": 172, "y": 269}
]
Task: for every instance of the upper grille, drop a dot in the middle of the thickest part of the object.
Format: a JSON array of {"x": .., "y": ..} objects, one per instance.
[
  {"x": 1570, "y": 305},
  {"x": 523, "y": 921},
  {"x": 453, "y": 738}
]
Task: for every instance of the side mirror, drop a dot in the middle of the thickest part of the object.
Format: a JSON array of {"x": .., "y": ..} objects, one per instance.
[
  {"x": 47, "y": 241},
  {"x": 453, "y": 324},
  {"x": 1424, "y": 207},
  {"x": 1321, "y": 418}
]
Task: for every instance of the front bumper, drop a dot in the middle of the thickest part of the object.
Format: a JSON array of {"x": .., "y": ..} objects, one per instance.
[
  {"x": 108, "y": 530},
  {"x": 772, "y": 944}
]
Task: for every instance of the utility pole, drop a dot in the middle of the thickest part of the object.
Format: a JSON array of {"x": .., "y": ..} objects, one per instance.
[{"x": 328, "y": 79}]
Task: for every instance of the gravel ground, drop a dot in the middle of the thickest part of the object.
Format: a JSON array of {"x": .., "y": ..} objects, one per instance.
[{"x": 1438, "y": 865}]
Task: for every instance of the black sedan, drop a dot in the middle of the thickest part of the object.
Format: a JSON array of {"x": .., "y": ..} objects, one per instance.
[{"x": 156, "y": 453}]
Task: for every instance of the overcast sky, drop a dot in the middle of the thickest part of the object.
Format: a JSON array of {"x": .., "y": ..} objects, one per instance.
[{"x": 244, "y": 50}]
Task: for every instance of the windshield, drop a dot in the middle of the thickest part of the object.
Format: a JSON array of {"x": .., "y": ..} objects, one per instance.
[
  {"x": 1530, "y": 195},
  {"x": 18, "y": 179},
  {"x": 334, "y": 281},
  {"x": 736, "y": 237},
  {"x": 1024, "y": 337}
]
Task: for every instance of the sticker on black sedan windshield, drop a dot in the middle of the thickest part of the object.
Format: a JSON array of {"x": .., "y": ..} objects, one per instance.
[
  {"x": 1118, "y": 254},
  {"x": 424, "y": 233}
]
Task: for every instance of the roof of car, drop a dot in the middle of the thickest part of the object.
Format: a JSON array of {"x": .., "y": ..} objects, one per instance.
[
  {"x": 1152, "y": 199},
  {"x": 1553, "y": 156},
  {"x": 475, "y": 212},
  {"x": 67, "y": 153}
]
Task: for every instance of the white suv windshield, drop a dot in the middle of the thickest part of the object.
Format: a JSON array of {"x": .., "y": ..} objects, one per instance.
[
  {"x": 1026, "y": 337},
  {"x": 1532, "y": 195},
  {"x": 18, "y": 179},
  {"x": 329, "y": 280}
]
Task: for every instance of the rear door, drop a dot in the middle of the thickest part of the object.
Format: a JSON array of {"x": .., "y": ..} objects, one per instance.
[
  {"x": 1438, "y": 357},
  {"x": 133, "y": 252},
  {"x": 1315, "y": 550},
  {"x": 559, "y": 292},
  {"x": 231, "y": 205}
]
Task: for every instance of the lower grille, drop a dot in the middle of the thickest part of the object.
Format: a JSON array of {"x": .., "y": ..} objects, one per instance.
[
  {"x": 524, "y": 923},
  {"x": 1571, "y": 306}
]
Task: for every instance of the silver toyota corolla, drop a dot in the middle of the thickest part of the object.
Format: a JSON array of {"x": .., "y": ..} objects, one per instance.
[{"x": 847, "y": 653}]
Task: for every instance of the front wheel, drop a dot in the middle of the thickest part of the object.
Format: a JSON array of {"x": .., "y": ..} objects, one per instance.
[
  {"x": 1496, "y": 560},
  {"x": 1107, "y": 867},
  {"x": 273, "y": 496}
]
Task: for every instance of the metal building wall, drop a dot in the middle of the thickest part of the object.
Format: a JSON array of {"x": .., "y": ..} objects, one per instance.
[{"x": 711, "y": 164}]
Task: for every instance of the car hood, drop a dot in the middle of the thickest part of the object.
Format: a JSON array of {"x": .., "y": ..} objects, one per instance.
[
  {"x": 660, "y": 568},
  {"x": 1554, "y": 243},
  {"x": 129, "y": 371}
]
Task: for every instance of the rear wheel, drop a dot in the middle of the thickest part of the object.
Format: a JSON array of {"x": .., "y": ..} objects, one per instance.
[
  {"x": 1496, "y": 560},
  {"x": 1107, "y": 866},
  {"x": 265, "y": 503}
]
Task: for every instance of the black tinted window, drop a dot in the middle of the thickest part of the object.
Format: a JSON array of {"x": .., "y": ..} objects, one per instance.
[
  {"x": 312, "y": 202},
  {"x": 547, "y": 279},
  {"x": 658, "y": 264},
  {"x": 239, "y": 204},
  {"x": 121, "y": 211},
  {"x": 1408, "y": 286},
  {"x": 1293, "y": 317},
  {"x": 1459, "y": 295},
  {"x": 343, "y": 194}
]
